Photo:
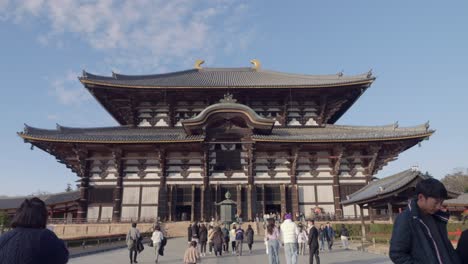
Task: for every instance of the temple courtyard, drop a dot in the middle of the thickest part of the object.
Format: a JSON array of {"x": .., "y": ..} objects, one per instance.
[{"x": 175, "y": 250}]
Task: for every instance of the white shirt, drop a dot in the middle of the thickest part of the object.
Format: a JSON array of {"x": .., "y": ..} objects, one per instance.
[
  {"x": 289, "y": 231},
  {"x": 157, "y": 236}
]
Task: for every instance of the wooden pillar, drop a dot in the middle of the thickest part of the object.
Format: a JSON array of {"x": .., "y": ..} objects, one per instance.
[
  {"x": 192, "y": 208},
  {"x": 371, "y": 214},
  {"x": 263, "y": 199},
  {"x": 239, "y": 200},
  {"x": 202, "y": 204},
  {"x": 251, "y": 198},
  {"x": 338, "y": 152},
  {"x": 206, "y": 203},
  {"x": 363, "y": 226},
  {"x": 170, "y": 203},
  {"x": 51, "y": 212},
  {"x": 163, "y": 212},
  {"x": 83, "y": 202},
  {"x": 118, "y": 191},
  {"x": 250, "y": 216},
  {"x": 390, "y": 212},
  {"x": 283, "y": 199},
  {"x": 217, "y": 200},
  {"x": 295, "y": 201}
]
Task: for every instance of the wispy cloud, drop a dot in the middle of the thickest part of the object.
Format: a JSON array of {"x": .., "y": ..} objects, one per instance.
[
  {"x": 68, "y": 90},
  {"x": 140, "y": 34}
]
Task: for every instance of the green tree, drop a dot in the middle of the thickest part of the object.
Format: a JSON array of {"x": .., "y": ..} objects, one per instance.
[
  {"x": 69, "y": 188},
  {"x": 456, "y": 181},
  {"x": 4, "y": 221}
]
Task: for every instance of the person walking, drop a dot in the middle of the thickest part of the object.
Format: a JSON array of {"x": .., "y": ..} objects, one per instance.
[
  {"x": 29, "y": 241},
  {"x": 330, "y": 232},
  {"x": 189, "y": 234},
  {"x": 313, "y": 243},
  {"x": 232, "y": 237},
  {"x": 157, "y": 238},
  {"x": 132, "y": 239},
  {"x": 289, "y": 232},
  {"x": 302, "y": 240},
  {"x": 249, "y": 235},
  {"x": 203, "y": 239},
  {"x": 344, "y": 234},
  {"x": 272, "y": 235},
  {"x": 210, "y": 239},
  {"x": 323, "y": 237},
  {"x": 191, "y": 255},
  {"x": 196, "y": 233},
  {"x": 226, "y": 237},
  {"x": 420, "y": 231},
  {"x": 239, "y": 240},
  {"x": 218, "y": 241}
]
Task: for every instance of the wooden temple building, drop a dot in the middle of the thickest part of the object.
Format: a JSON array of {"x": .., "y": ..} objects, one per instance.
[{"x": 185, "y": 138}]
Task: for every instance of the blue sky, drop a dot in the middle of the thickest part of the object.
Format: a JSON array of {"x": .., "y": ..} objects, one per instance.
[{"x": 417, "y": 49}]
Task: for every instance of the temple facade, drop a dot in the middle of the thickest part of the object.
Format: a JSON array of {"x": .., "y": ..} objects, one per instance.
[{"x": 185, "y": 138}]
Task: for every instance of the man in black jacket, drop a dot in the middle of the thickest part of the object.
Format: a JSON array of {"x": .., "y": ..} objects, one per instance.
[
  {"x": 313, "y": 243},
  {"x": 420, "y": 232}
]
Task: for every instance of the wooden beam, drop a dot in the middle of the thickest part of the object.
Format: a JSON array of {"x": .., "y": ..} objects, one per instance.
[{"x": 118, "y": 191}]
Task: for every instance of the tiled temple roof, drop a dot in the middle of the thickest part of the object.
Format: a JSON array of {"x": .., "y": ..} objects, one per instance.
[
  {"x": 124, "y": 134},
  {"x": 49, "y": 199},
  {"x": 121, "y": 134},
  {"x": 226, "y": 78},
  {"x": 383, "y": 186},
  {"x": 461, "y": 200}
]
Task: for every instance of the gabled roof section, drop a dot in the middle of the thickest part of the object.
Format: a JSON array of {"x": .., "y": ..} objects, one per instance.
[
  {"x": 384, "y": 187},
  {"x": 461, "y": 200},
  {"x": 126, "y": 134},
  {"x": 49, "y": 199},
  {"x": 121, "y": 134},
  {"x": 229, "y": 109},
  {"x": 337, "y": 133},
  {"x": 226, "y": 78}
]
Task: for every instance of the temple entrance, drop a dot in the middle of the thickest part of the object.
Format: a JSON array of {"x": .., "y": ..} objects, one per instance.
[
  {"x": 273, "y": 208},
  {"x": 183, "y": 212}
]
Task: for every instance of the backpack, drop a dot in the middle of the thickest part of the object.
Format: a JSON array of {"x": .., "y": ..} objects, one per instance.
[{"x": 240, "y": 234}]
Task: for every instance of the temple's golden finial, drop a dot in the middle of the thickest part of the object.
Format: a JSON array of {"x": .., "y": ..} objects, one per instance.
[
  {"x": 198, "y": 64},
  {"x": 256, "y": 64}
]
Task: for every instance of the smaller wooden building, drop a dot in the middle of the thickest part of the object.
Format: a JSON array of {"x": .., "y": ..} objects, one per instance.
[{"x": 60, "y": 205}]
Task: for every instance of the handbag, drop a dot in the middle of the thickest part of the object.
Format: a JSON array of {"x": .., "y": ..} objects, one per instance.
[{"x": 150, "y": 244}]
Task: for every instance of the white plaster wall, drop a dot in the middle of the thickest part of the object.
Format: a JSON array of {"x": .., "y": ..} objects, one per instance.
[
  {"x": 106, "y": 213},
  {"x": 93, "y": 213},
  {"x": 131, "y": 195},
  {"x": 149, "y": 212},
  {"x": 348, "y": 211},
  {"x": 327, "y": 208},
  {"x": 149, "y": 195},
  {"x": 306, "y": 194},
  {"x": 129, "y": 212},
  {"x": 325, "y": 193},
  {"x": 307, "y": 210}
]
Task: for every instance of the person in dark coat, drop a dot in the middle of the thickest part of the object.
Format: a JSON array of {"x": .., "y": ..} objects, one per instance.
[
  {"x": 313, "y": 243},
  {"x": 189, "y": 234},
  {"x": 420, "y": 231},
  {"x": 249, "y": 237},
  {"x": 203, "y": 239},
  {"x": 218, "y": 241},
  {"x": 462, "y": 247},
  {"x": 195, "y": 232},
  {"x": 29, "y": 242}
]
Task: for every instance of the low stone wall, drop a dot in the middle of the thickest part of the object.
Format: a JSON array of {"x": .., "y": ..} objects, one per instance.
[
  {"x": 171, "y": 229},
  {"x": 75, "y": 231}
]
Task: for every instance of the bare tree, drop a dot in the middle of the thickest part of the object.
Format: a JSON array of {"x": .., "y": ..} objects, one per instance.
[{"x": 457, "y": 181}]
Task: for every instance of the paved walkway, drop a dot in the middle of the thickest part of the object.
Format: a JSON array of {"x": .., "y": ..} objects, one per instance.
[{"x": 176, "y": 247}]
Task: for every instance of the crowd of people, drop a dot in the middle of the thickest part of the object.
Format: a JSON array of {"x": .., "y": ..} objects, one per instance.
[{"x": 419, "y": 236}]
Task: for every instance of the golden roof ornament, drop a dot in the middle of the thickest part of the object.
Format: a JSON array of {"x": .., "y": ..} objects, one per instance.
[
  {"x": 198, "y": 64},
  {"x": 256, "y": 64}
]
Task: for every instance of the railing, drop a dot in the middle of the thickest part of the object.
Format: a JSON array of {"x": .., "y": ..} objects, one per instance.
[{"x": 99, "y": 221}]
